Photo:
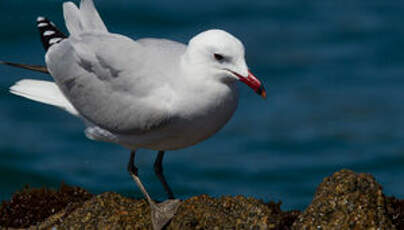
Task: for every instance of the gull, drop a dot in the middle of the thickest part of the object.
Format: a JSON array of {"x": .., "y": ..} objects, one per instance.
[{"x": 147, "y": 93}]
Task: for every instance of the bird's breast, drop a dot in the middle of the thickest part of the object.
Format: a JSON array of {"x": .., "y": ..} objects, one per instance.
[
  {"x": 199, "y": 116},
  {"x": 203, "y": 114}
]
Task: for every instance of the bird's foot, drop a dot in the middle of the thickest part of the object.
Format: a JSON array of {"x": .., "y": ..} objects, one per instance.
[{"x": 163, "y": 212}]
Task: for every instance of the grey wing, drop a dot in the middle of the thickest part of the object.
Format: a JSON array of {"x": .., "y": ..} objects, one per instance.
[{"x": 107, "y": 80}]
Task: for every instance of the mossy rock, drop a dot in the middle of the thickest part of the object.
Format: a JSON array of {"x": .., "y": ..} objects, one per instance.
[
  {"x": 112, "y": 211},
  {"x": 204, "y": 212},
  {"x": 30, "y": 206},
  {"x": 347, "y": 200},
  {"x": 106, "y": 211}
]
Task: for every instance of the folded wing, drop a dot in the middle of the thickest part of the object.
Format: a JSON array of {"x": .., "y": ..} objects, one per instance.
[
  {"x": 106, "y": 79},
  {"x": 83, "y": 19}
]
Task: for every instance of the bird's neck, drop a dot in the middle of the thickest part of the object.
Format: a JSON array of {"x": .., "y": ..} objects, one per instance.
[{"x": 203, "y": 92}]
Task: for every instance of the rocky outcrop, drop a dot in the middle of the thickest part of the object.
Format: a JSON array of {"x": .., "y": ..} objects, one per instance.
[
  {"x": 345, "y": 200},
  {"x": 110, "y": 210},
  {"x": 30, "y": 206}
]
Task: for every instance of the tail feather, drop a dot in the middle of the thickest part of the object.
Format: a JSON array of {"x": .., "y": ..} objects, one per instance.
[
  {"x": 43, "y": 91},
  {"x": 77, "y": 21},
  {"x": 50, "y": 34}
]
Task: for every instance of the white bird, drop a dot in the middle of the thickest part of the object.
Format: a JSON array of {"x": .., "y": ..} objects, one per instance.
[{"x": 148, "y": 93}]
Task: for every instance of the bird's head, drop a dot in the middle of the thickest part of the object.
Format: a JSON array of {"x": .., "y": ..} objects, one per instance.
[{"x": 222, "y": 55}]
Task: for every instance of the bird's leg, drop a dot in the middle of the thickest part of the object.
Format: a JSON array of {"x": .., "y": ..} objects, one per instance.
[
  {"x": 161, "y": 213},
  {"x": 133, "y": 171},
  {"x": 158, "y": 169}
]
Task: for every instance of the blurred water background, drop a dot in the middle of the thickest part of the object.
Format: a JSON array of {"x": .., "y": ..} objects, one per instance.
[{"x": 335, "y": 74}]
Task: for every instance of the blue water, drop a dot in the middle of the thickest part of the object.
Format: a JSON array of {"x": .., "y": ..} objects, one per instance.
[{"x": 335, "y": 74}]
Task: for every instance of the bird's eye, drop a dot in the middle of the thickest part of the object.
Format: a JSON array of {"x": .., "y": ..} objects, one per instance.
[{"x": 218, "y": 57}]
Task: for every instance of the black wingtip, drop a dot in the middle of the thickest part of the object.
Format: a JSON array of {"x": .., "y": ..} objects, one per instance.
[{"x": 50, "y": 34}]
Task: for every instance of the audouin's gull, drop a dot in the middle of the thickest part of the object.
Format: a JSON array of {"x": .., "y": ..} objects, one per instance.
[{"x": 148, "y": 93}]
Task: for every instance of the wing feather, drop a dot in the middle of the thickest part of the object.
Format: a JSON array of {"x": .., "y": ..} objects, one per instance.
[
  {"x": 83, "y": 19},
  {"x": 90, "y": 17},
  {"x": 72, "y": 18},
  {"x": 108, "y": 81}
]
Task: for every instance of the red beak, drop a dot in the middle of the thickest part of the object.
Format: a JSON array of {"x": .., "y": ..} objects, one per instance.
[{"x": 253, "y": 83}]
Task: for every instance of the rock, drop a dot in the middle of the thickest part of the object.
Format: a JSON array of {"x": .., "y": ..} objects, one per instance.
[
  {"x": 204, "y": 212},
  {"x": 106, "y": 211},
  {"x": 32, "y": 205},
  {"x": 396, "y": 212},
  {"x": 112, "y": 211},
  {"x": 347, "y": 200}
]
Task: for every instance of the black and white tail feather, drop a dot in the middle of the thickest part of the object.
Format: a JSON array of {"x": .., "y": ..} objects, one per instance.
[
  {"x": 43, "y": 91},
  {"x": 50, "y": 34},
  {"x": 78, "y": 20}
]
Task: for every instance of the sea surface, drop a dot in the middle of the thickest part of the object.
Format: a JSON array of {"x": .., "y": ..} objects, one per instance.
[{"x": 334, "y": 71}]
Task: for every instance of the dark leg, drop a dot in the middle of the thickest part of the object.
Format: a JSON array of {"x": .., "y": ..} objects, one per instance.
[
  {"x": 161, "y": 213},
  {"x": 133, "y": 171},
  {"x": 131, "y": 163},
  {"x": 158, "y": 169}
]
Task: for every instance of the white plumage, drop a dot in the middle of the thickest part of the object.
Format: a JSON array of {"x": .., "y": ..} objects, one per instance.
[
  {"x": 149, "y": 93},
  {"x": 84, "y": 19},
  {"x": 43, "y": 91}
]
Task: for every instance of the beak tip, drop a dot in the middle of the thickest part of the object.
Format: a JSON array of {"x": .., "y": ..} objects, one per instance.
[
  {"x": 264, "y": 95},
  {"x": 262, "y": 92},
  {"x": 253, "y": 83}
]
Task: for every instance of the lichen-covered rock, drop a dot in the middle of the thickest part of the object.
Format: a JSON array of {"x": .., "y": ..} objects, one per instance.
[
  {"x": 396, "y": 211},
  {"x": 204, "y": 212},
  {"x": 30, "y": 206},
  {"x": 112, "y": 211},
  {"x": 106, "y": 211},
  {"x": 347, "y": 200}
]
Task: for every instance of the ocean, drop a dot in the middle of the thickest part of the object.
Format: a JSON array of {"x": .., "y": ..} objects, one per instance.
[{"x": 334, "y": 73}]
